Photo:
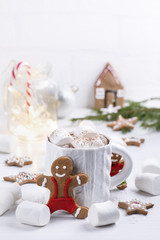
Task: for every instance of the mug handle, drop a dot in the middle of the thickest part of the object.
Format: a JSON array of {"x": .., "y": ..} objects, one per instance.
[{"x": 127, "y": 168}]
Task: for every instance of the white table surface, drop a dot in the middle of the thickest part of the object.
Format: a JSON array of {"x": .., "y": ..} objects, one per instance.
[{"x": 65, "y": 226}]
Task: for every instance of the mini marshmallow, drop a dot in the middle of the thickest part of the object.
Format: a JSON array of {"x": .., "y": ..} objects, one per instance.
[
  {"x": 101, "y": 214},
  {"x": 87, "y": 123},
  {"x": 32, "y": 213},
  {"x": 85, "y": 131},
  {"x": 8, "y": 197},
  {"x": 149, "y": 183},
  {"x": 60, "y": 137},
  {"x": 87, "y": 143},
  {"x": 5, "y": 143},
  {"x": 151, "y": 165},
  {"x": 90, "y": 134}
]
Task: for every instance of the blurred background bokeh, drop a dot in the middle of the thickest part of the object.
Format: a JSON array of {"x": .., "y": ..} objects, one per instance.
[{"x": 79, "y": 37}]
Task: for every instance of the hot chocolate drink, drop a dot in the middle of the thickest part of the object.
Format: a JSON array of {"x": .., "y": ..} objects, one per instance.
[{"x": 78, "y": 138}]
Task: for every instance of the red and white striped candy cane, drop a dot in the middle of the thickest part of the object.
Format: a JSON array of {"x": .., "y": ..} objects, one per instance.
[
  {"x": 15, "y": 71},
  {"x": 28, "y": 91}
]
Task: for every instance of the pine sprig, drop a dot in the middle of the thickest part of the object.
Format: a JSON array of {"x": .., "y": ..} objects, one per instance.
[{"x": 149, "y": 117}]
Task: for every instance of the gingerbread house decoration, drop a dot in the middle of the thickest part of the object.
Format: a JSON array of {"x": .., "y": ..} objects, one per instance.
[{"x": 108, "y": 89}]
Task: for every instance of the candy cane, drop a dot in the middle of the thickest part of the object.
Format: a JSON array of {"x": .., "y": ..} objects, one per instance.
[
  {"x": 15, "y": 71},
  {"x": 28, "y": 91}
]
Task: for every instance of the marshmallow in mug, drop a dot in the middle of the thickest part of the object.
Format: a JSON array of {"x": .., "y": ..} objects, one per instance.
[
  {"x": 60, "y": 137},
  {"x": 85, "y": 131},
  {"x": 81, "y": 137},
  {"x": 87, "y": 143},
  {"x": 87, "y": 123}
]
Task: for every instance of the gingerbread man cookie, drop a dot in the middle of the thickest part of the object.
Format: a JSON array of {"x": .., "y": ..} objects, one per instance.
[
  {"x": 117, "y": 164},
  {"x": 61, "y": 185},
  {"x": 132, "y": 141},
  {"x": 22, "y": 178},
  {"x": 115, "y": 158},
  {"x": 18, "y": 161},
  {"x": 135, "y": 206},
  {"x": 122, "y": 185}
]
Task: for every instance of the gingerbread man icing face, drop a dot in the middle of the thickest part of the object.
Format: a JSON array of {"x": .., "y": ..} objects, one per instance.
[
  {"x": 62, "y": 168},
  {"x": 115, "y": 158}
]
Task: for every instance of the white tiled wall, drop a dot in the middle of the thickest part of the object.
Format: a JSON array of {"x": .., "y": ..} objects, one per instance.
[{"x": 80, "y": 36}]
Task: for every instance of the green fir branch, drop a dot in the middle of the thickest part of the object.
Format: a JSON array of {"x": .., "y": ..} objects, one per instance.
[{"x": 149, "y": 117}]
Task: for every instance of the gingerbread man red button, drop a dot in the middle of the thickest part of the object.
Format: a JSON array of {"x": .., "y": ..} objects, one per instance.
[{"x": 61, "y": 186}]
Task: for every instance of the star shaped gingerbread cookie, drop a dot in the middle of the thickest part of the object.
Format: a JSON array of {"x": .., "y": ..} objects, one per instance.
[
  {"x": 122, "y": 123},
  {"x": 135, "y": 206},
  {"x": 18, "y": 161},
  {"x": 132, "y": 141},
  {"x": 23, "y": 177}
]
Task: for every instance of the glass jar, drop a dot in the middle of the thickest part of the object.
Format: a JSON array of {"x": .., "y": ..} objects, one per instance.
[{"x": 30, "y": 101}]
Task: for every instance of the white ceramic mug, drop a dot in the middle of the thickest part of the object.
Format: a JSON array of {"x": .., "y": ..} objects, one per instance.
[{"x": 96, "y": 162}]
